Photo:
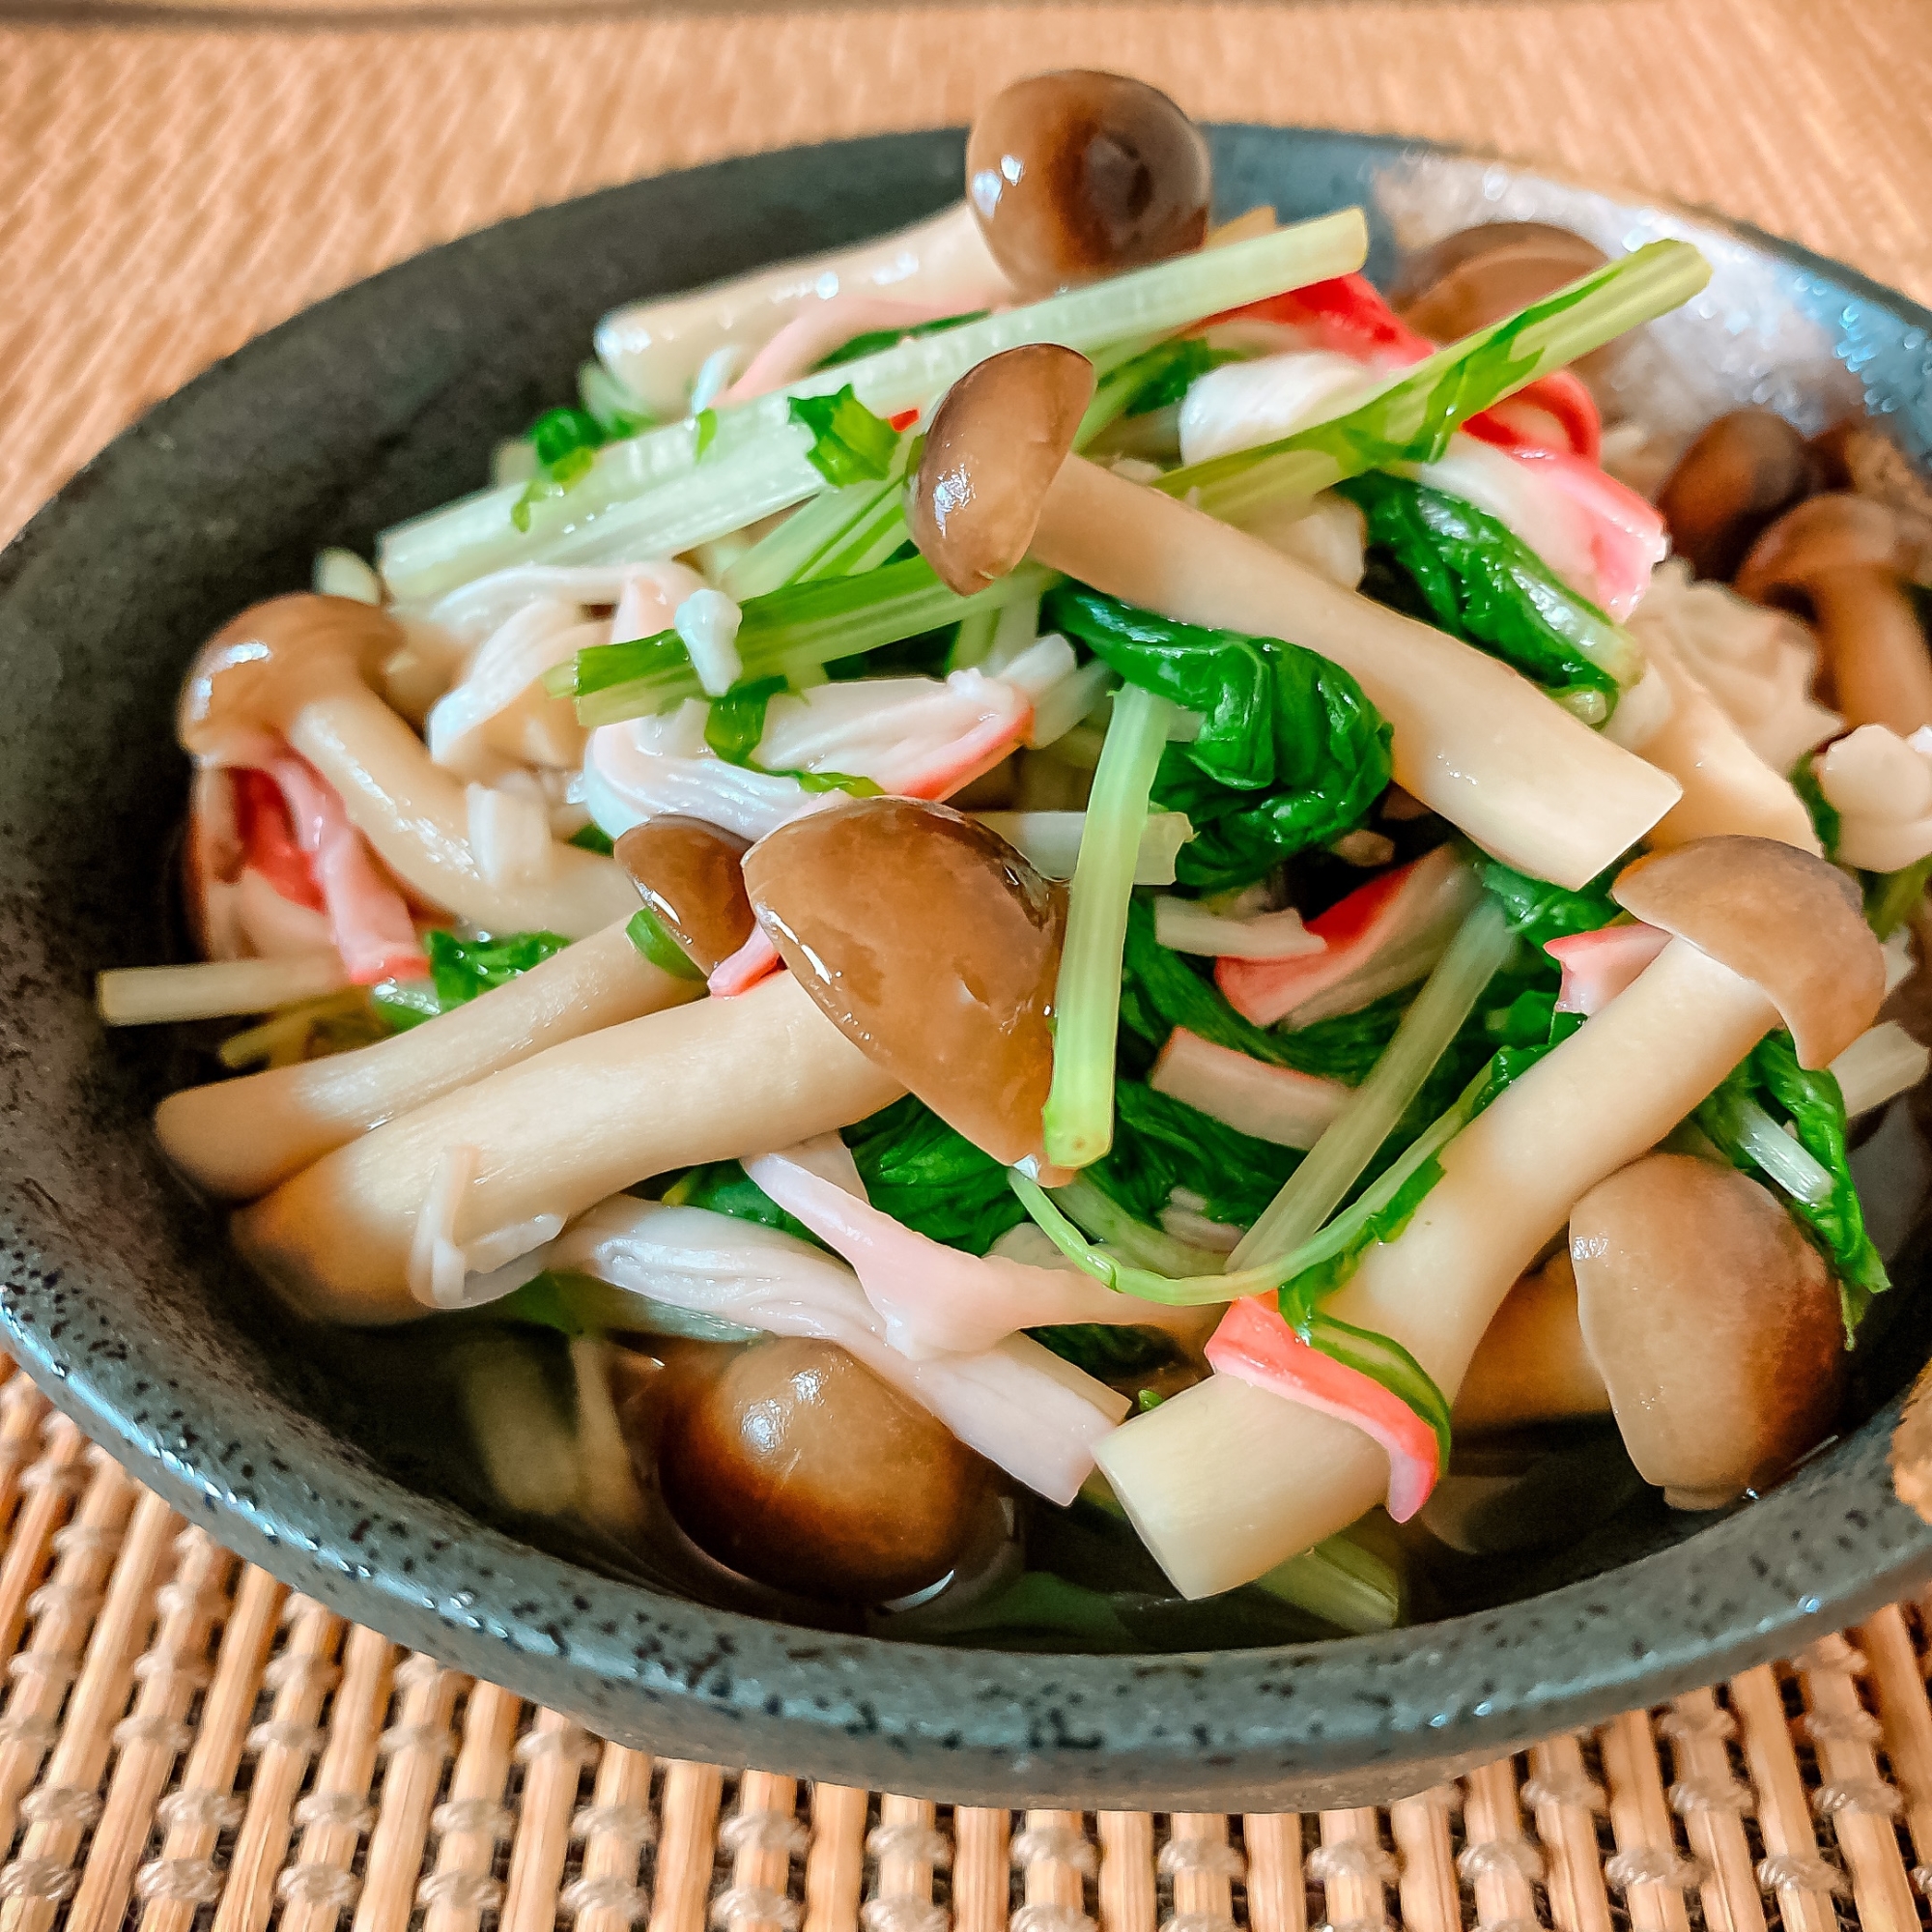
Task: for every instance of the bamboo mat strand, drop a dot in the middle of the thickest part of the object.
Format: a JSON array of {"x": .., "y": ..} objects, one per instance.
[
  {"x": 168, "y": 190},
  {"x": 186, "y": 1744}
]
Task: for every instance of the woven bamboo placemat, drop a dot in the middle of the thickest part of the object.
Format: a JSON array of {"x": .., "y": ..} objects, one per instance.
[
  {"x": 171, "y": 187},
  {"x": 184, "y": 1743}
]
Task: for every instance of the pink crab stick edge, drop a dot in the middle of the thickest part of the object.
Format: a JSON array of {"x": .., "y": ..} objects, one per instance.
[{"x": 1254, "y": 1344}]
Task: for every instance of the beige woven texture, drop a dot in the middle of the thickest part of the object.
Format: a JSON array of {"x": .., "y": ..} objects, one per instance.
[
  {"x": 184, "y": 1743},
  {"x": 168, "y": 190}
]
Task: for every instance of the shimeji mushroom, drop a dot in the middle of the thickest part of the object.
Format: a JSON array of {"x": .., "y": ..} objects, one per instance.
[
  {"x": 1740, "y": 474},
  {"x": 1474, "y": 739},
  {"x": 239, "y": 1138},
  {"x": 1844, "y": 558},
  {"x": 297, "y": 668},
  {"x": 1226, "y": 1480},
  {"x": 494, "y": 1170},
  {"x": 1713, "y": 1322},
  {"x": 1531, "y": 1363}
]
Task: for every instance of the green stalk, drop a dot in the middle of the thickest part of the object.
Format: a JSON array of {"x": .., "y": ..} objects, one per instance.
[
  {"x": 1202, "y": 1291},
  {"x": 1342, "y": 1582},
  {"x": 791, "y": 634},
  {"x": 1104, "y": 1219},
  {"x": 1319, "y": 1184},
  {"x": 641, "y": 492},
  {"x": 1079, "y": 1118},
  {"x": 1413, "y": 418}
]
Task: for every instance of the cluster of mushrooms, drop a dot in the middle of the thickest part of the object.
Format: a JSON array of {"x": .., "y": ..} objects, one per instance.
[{"x": 1563, "y": 1268}]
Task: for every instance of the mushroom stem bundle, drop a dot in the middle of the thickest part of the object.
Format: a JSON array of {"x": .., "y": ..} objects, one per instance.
[
  {"x": 556, "y": 1133},
  {"x": 239, "y": 1138},
  {"x": 1474, "y": 739},
  {"x": 297, "y": 668},
  {"x": 1224, "y": 1481}
]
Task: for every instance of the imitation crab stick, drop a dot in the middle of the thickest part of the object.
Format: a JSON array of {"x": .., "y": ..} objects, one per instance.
[{"x": 1799, "y": 950}]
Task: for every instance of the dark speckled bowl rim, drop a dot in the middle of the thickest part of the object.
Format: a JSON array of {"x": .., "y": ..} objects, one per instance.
[{"x": 1348, "y": 1721}]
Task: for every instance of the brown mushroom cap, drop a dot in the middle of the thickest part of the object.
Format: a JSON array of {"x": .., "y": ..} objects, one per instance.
[
  {"x": 691, "y": 877},
  {"x": 932, "y": 945},
  {"x": 996, "y": 443},
  {"x": 1478, "y": 275},
  {"x": 1078, "y": 175},
  {"x": 798, "y": 1467},
  {"x": 1742, "y": 473},
  {"x": 1713, "y": 1321},
  {"x": 259, "y": 669},
  {"x": 1842, "y": 559},
  {"x": 1780, "y": 918},
  {"x": 1834, "y": 532}
]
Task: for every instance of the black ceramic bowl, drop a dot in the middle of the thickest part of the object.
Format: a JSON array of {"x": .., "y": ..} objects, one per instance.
[{"x": 120, "y": 1298}]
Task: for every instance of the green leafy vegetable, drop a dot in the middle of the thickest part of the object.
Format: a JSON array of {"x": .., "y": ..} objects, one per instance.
[
  {"x": 1826, "y": 819},
  {"x": 1161, "y": 991},
  {"x": 1105, "y": 1352},
  {"x": 652, "y": 938},
  {"x": 1161, "y": 1143},
  {"x": 1484, "y": 584},
  {"x": 1810, "y": 1102},
  {"x": 723, "y": 1187},
  {"x": 592, "y": 839},
  {"x": 1160, "y": 376},
  {"x": 1290, "y": 753},
  {"x": 921, "y": 1172},
  {"x": 735, "y": 724},
  {"x": 566, "y": 441},
  {"x": 875, "y": 340},
  {"x": 1413, "y": 418},
  {"x": 1891, "y": 898},
  {"x": 793, "y": 632},
  {"x": 1078, "y": 1123},
  {"x": 704, "y": 434},
  {"x": 460, "y": 969},
  {"x": 849, "y": 443},
  {"x": 1540, "y": 911},
  {"x": 1385, "y": 1360}
]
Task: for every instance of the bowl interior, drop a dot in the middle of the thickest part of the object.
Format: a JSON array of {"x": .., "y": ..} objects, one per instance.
[{"x": 119, "y": 1294}]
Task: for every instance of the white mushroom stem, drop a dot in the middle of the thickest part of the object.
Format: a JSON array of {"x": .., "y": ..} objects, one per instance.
[
  {"x": 215, "y": 988},
  {"x": 657, "y": 348},
  {"x": 239, "y": 1138},
  {"x": 1473, "y": 740},
  {"x": 1727, "y": 787},
  {"x": 416, "y": 817},
  {"x": 1224, "y": 1481},
  {"x": 557, "y": 1133}
]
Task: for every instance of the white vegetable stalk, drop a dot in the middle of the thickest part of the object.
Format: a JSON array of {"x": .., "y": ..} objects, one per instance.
[
  {"x": 1224, "y": 1481},
  {"x": 1050, "y": 841},
  {"x": 1474, "y": 739},
  {"x": 1788, "y": 1163},
  {"x": 1883, "y": 1062},
  {"x": 236, "y": 1139},
  {"x": 650, "y": 497},
  {"x": 558, "y": 1132},
  {"x": 215, "y": 988},
  {"x": 1187, "y": 925},
  {"x": 1322, "y": 1182}
]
